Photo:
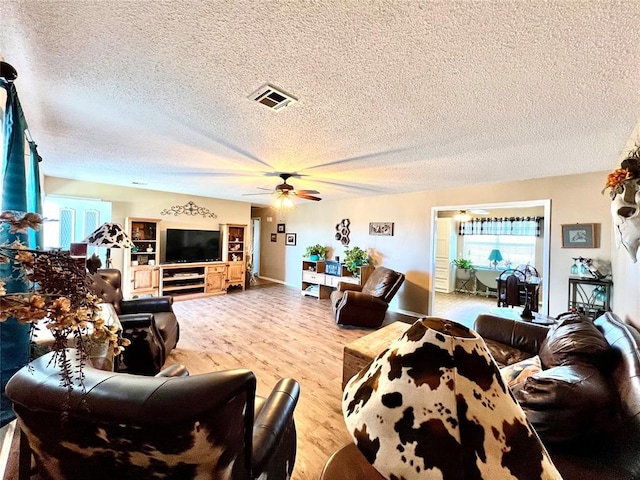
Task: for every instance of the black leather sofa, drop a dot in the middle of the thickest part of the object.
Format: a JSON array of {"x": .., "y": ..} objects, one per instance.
[
  {"x": 149, "y": 323},
  {"x": 585, "y": 402}
]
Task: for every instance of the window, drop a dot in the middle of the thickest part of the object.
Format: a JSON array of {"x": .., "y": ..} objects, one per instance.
[
  {"x": 71, "y": 220},
  {"x": 515, "y": 250}
]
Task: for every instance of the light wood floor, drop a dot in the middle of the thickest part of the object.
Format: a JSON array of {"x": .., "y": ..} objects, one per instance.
[{"x": 274, "y": 331}]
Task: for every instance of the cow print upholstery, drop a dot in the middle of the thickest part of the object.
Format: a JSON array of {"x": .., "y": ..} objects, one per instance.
[{"x": 433, "y": 405}]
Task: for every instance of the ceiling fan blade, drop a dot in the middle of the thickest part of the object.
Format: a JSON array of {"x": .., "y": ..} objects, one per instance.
[
  {"x": 261, "y": 193},
  {"x": 307, "y": 192},
  {"x": 308, "y": 197}
]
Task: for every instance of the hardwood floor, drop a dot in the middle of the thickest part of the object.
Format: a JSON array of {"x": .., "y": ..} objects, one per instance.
[{"x": 274, "y": 331}]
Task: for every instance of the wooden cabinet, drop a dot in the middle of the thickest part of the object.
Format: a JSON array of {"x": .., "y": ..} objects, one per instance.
[
  {"x": 216, "y": 279},
  {"x": 317, "y": 282},
  {"x": 141, "y": 272},
  {"x": 313, "y": 279},
  {"x": 192, "y": 280},
  {"x": 234, "y": 251}
]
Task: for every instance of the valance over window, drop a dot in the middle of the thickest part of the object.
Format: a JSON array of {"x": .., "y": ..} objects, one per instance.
[{"x": 519, "y": 226}]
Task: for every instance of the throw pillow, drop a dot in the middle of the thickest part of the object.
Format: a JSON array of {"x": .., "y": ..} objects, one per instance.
[
  {"x": 574, "y": 339},
  {"x": 520, "y": 371}
]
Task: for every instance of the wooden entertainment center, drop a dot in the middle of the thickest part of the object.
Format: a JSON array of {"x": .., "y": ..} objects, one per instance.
[{"x": 144, "y": 274}]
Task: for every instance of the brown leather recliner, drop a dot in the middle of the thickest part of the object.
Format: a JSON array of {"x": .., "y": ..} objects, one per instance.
[
  {"x": 127, "y": 427},
  {"x": 366, "y": 305},
  {"x": 149, "y": 323}
]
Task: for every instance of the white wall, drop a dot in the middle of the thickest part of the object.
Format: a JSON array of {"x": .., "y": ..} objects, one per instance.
[{"x": 574, "y": 199}]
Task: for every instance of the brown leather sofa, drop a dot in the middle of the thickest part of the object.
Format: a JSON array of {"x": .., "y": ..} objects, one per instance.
[
  {"x": 149, "y": 323},
  {"x": 366, "y": 305},
  {"x": 585, "y": 403},
  {"x": 127, "y": 427}
]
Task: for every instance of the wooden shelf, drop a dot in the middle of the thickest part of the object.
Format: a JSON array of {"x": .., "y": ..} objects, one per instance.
[
  {"x": 198, "y": 279},
  {"x": 142, "y": 279},
  {"x": 319, "y": 284}
]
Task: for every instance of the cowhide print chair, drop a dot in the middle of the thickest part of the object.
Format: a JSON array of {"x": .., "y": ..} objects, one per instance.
[{"x": 132, "y": 427}]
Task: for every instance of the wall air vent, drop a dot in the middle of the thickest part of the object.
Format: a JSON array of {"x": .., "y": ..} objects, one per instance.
[{"x": 273, "y": 98}]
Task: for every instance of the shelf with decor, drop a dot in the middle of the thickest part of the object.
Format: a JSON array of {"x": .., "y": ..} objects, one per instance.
[
  {"x": 234, "y": 251},
  {"x": 590, "y": 296},
  {"x": 193, "y": 280},
  {"x": 319, "y": 278},
  {"x": 140, "y": 272}
]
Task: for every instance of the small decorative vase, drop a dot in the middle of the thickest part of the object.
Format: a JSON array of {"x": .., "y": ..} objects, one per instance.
[{"x": 314, "y": 258}]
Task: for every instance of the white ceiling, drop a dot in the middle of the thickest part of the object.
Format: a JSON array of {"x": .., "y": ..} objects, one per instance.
[{"x": 394, "y": 96}]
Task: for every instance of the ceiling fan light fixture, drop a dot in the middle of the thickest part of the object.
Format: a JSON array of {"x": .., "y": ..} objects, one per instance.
[
  {"x": 283, "y": 202},
  {"x": 462, "y": 216}
]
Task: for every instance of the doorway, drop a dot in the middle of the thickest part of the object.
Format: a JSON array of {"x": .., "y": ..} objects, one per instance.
[
  {"x": 440, "y": 303},
  {"x": 255, "y": 246}
]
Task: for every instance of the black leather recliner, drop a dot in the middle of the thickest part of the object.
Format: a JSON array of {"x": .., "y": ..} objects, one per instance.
[
  {"x": 127, "y": 427},
  {"x": 149, "y": 323}
]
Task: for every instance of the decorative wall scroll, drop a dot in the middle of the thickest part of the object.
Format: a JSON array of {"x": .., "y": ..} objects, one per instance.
[
  {"x": 342, "y": 231},
  {"x": 381, "y": 228},
  {"x": 189, "y": 208}
]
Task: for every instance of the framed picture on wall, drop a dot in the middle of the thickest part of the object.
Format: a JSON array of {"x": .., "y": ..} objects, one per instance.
[
  {"x": 274, "y": 237},
  {"x": 290, "y": 239},
  {"x": 381, "y": 228},
  {"x": 580, "y": 235},
  {"x": 281, "y": 228}
]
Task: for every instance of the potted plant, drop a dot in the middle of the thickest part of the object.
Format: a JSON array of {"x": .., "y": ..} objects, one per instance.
[
  {"x": 463, "y": 267},
  {"x": 355, "y": 257},
  {"x": 316, "y": 252}
]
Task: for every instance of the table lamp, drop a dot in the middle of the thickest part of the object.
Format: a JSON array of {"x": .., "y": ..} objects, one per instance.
[
  {"x": 433, "y": 405},
  {"x": 495, "y": 256},
  {"x": 109, "y": 235}
]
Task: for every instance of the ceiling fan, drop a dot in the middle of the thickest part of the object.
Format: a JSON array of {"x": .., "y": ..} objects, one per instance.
[
  {"x": 465, "y": 215},
  {"x": 285, "y": 191}
]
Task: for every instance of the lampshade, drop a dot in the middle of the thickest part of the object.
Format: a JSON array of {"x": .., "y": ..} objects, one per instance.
[
  {"x": 110, "y": 235},
  {"x": 495, "y": 255},
  {"x": 433, "y": 405}
]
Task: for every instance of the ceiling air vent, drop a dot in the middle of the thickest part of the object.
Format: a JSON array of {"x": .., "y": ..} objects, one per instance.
[{"x": 271, "y": 97}]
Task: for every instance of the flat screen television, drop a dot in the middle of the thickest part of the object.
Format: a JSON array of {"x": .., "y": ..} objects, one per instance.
[{"x": 189, "y": 246}]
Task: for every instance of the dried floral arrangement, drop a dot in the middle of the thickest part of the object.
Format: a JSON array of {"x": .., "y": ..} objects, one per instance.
[
  {"x": 58, "y": 296},
  {"x": 629, "y": 170}
]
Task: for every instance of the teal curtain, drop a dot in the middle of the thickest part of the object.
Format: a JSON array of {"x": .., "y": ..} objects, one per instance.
[{"x": 20, "y": 192}]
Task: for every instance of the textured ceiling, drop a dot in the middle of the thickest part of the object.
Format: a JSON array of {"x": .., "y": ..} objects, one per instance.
[{"x": 394, "y": 96}]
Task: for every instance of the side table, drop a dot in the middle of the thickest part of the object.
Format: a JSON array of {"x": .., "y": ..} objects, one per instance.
[{"x": 359, "y": 353}]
